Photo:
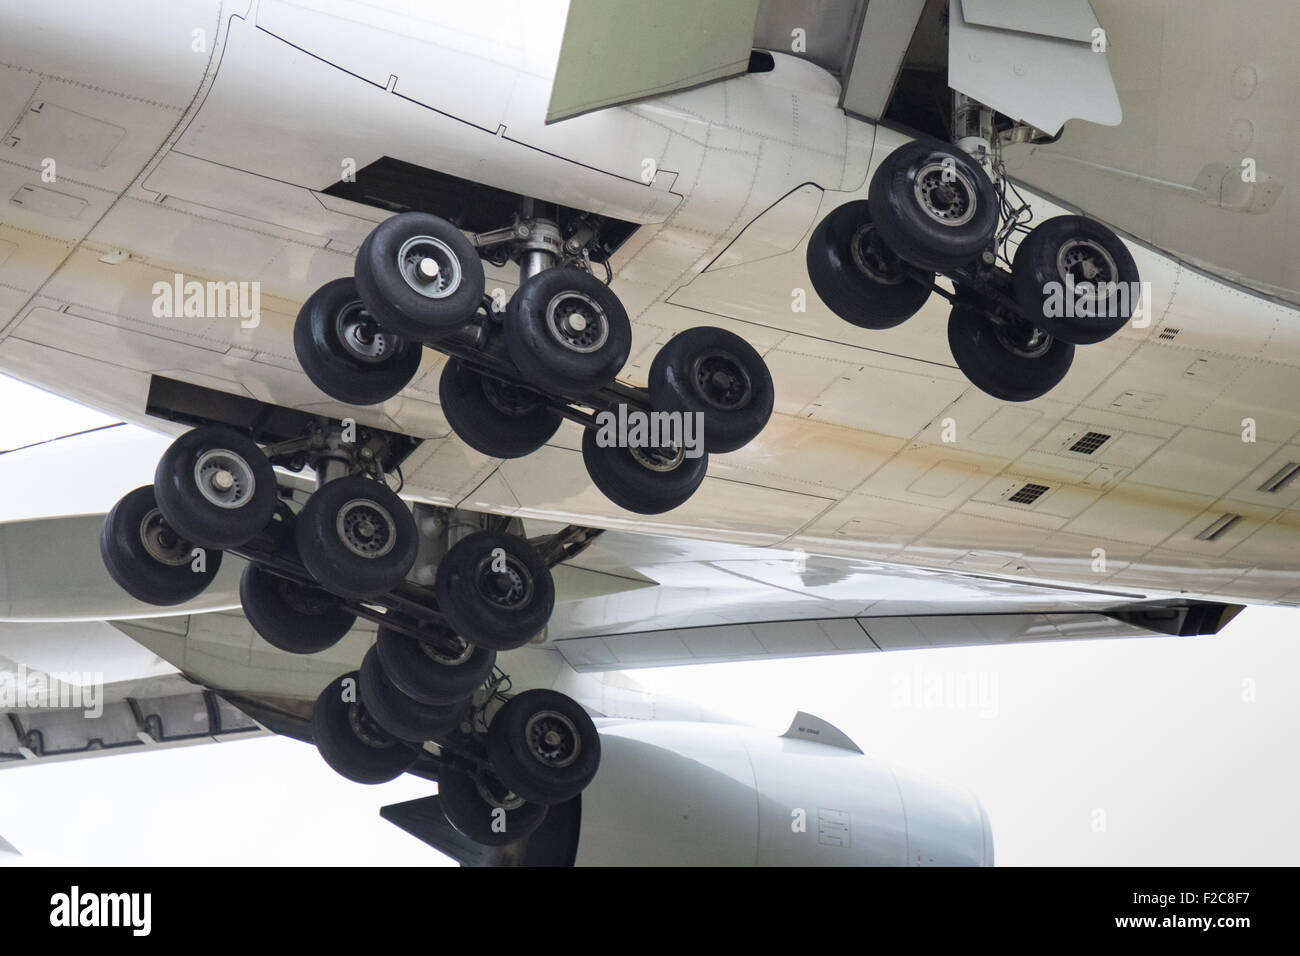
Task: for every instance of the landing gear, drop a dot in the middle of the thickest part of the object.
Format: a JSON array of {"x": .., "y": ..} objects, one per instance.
[
  {"x": 346, "y": 353},
  {"x": 351, "y": 741},
  {"x": 567, "y": 332},
  {"x": 543, "y": 746},
  {"x": 494, "y": 590},
  {"x": 356, "y": 537},
  {"x": 718, "y": 375},
  {"x": 1075, "y": 279},
  {"x": 648, "y": 481},
  {"x": 419, "y": 276},
  {"x": 861, "y": 279},
  {"x": 438, "y": 668},
  {"x": 1013, "y": 362},
  {"x": 484, "y": 809},
  {"x": 553, "y": 353},
  {"x": 148, "y": 559},
  {"x": 402, "y": 716},
  {"x": 292, "y": 616},
  {"x": 493, "y": 417},
  {"x": 933, "y": 209},
  {"x": 215, "y": 487}
]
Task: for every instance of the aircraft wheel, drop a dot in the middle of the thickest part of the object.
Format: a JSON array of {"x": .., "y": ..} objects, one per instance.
[
  {"x": 290, "y": 616},
  {"x": 147, "y": 558},
  {"x": 543, "y": 746},
  {"x": 445, "y": 671},
  {"x": 346, "y": 353},
  {"x": 567, "y": 332},
  {"x": 356, "y": 537},
  {"x": 1075, "y": 279},
  {"x": 419, "y": 276},
  {"x": 494, "y": 590},
  {"x": 350, "y": 740},
  {"x": 486, "y": 812},
  {"x": 404, "y": 718},
  {"x": 1015, "y": 366},
  {"x": 857, "y": 276},
  {"x": 648, "y": 481},
  {"x": 934, "y": 206},
  {"x": 719, "y": 375},
  {"x": 493, "y": 418},
  {"x": 216, "y": 487}
]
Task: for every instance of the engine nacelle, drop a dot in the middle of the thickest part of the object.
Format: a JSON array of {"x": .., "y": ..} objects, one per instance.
[{"x": 683, "y": 794}]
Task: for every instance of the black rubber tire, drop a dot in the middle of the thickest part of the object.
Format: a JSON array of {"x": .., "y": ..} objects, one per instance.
[
  {"x": 1036, "y": 268},
  {"x": 404, "y": 718},
  {"x": 519, "y": 765},
  {"x": 199, "y": 519},
  {"x": 336, "y": 567},
  {"x": 394, "y": 302},
  {"x": 495, "y": 419},
  {"x": 462, "y": 586},
  {"x": 338, "y": 371},
  {"x": 906, "y": 226},
  {"x": 837, "y": 259},
  {"x": 136, "y": 571},
  {"x": 996, "y": 370},
  {"x": 539, "y": 355},
  {"x": 622, "y": 478},
  {"x": 467, "y": 811},
  {"x": 420, "y": 672},
  {"x": 292, "y": 617},
  {"x": 679, "y": 382},
  {"x": 377, "y": 758}
]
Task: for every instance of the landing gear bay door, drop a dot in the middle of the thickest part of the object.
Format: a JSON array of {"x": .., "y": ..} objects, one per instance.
[
  {"x": 1039, "y": 61},
  {"x": 618, "y": 51}
]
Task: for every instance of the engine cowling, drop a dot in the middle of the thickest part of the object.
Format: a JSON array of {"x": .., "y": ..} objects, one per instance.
[{"x": 683, "y": 794}]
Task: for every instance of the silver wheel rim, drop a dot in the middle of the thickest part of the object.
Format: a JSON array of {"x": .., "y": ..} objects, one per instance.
[
  {"x": 429, "y": 267},
  {"x": 509, "y": 589},
  {"x": 224, "y": 479},
  {"x": 945, "y": 193},
  {"x": 657, "y": 459},
  {"x": 1089, "y": 263},
  {"x": 552, "y": 738},
  {"x": 577, "y": 322},
  {"x": 360, "y": 336},
  {"x": 449, "y": 660},
  {"x": 1038, "y": 344},
  {"x": 721, "y": 380},
  {"x": 510, "y": 800},
  {"x": 870, "y": 259},
  {"x": 366, "y": 528},
  {"x": 162, "y": 543}
]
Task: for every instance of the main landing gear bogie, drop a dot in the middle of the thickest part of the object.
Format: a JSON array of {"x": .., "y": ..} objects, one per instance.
[
  {"x": 348, "y": 553},
  {"x": 513, "y": 375},
  {"x": 933, "y": 209}
]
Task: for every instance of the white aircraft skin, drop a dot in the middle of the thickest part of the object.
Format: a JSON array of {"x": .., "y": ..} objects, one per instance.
[{"x": 209, "y": 160}]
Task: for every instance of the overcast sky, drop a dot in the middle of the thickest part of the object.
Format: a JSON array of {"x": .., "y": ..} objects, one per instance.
[{"x": 1155, "y": 751}]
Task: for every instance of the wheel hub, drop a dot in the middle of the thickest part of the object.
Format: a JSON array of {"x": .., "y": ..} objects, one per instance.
[
  {"x": 873, "y": 258},
  {"x": 224, "y": 478},
  {"x": 365, "y": 728},
  {"x": 511, "y": 588},
  {"x": 721, "y": 380},
  {"x": 366, "y": 528},
  {"x": 360, "y": 336},
  {"x": 161, "y": 542},
  {"x": 429, "y": 267},
  {"x": 512, "y": 400},
  {"x": 1089, "y": 265},
  {"x": 1026, "y": 341},
  {"x": 577, "y": 322},
  {"x": 658, "y": 459},
  {"x": 945, "y": 193},
  {"x": 552, "y": 739}
]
